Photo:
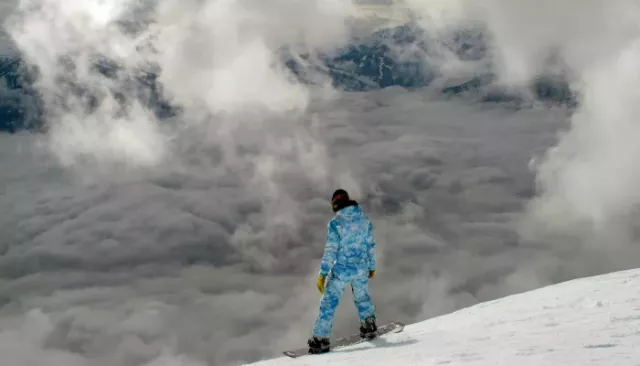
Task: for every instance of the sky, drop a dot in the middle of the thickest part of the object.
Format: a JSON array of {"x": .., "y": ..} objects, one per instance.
[{"x": 128, "y": 240}]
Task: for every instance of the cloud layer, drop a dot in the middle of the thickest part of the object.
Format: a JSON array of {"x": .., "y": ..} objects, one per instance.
[{"x": 196, "y": 262}]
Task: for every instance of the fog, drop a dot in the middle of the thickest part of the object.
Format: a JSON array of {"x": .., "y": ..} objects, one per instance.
[{"x": 195, "y": 240}]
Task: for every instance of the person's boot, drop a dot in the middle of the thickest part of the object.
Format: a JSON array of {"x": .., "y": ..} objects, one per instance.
[
  {"x": 368, "y": 328},
  {"x": 319, "y": 345}
]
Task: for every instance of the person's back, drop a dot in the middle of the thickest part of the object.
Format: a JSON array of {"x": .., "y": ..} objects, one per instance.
[
  {"x": 354, "y": 242},
  {"x": 349, "y": 258}
]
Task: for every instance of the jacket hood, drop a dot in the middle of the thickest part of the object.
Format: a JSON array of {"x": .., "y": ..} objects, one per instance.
[{"x": 350, "y": 211}]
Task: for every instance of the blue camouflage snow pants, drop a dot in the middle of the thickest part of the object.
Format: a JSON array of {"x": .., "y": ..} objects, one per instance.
[{"x": 334, "y": 287}]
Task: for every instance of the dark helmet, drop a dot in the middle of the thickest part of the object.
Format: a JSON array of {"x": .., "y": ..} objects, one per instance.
[{"x": 340, "y": 199}]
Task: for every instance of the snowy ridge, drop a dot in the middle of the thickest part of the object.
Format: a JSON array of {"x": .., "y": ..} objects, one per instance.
[{"x": 588, "y": 321}]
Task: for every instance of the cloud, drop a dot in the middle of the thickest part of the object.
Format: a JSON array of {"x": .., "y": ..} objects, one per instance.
[
  {"x": 585, "y": 41},
  {"x": 584, "y": 195},
  {"x": 218, "y": 60}
]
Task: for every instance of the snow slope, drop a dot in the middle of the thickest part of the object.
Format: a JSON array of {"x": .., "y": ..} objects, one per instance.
[{"x": 589, "y": 321}]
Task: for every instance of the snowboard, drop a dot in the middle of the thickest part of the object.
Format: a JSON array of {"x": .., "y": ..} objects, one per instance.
[{"x": 350, "y": 340}]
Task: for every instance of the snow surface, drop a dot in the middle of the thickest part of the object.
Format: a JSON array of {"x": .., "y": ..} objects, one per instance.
[{"x": 588, "y": 321}]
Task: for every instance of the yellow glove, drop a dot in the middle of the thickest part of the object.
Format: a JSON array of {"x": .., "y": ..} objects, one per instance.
[
  {"x": 320, "y": 284},
  {"x": 372, "y": 273}
]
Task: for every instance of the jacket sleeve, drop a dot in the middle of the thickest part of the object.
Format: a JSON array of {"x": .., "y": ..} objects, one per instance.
[
  {"x": 330, "y": 249},
  {"x": 371, "y": 246}
]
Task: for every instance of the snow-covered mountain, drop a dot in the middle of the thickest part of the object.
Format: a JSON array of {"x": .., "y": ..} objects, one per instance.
[
  {"x": 588, "y": 321},
  {"x": 403, "y": 55}
]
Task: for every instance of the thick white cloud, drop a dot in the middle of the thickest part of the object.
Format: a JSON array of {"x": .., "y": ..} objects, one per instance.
[{"x": 590, "y": 177}]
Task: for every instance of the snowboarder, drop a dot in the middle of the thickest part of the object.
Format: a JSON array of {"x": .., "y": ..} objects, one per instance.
[{"x": 349, "y": 258}]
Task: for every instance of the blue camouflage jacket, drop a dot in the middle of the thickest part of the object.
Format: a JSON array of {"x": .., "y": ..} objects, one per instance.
[{"x": 350, "y": 245}]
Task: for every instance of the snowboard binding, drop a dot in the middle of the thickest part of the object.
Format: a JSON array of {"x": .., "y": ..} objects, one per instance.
[
  {"x": 368, "y": 329},
  {"x": 319, "y": 345}
]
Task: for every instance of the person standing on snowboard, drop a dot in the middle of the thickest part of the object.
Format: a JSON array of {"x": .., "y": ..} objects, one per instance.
[{"x": 348, "y": 259}]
